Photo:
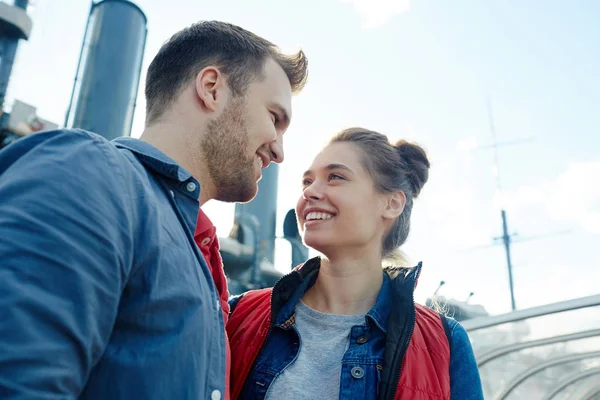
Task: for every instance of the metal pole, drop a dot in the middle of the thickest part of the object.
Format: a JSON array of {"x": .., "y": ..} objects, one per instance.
[
  {"x": 506, "y": 240},
  {"x": 21, "y": 4},
  {"x": 8, "y": 54},
  {"x": 505, "y": 235},
  {"x": 137, "y": 84},
  {"x": 85, "y": 34}
]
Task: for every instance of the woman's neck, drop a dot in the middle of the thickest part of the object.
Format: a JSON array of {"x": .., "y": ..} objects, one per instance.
[{"x": 346, "y": 286}]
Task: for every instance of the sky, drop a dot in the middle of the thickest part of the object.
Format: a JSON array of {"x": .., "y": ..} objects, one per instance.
[{"x": 422, "y": 70}]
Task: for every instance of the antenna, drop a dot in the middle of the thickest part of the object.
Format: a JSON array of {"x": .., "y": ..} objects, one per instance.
[
  {"x": 506, "y": 238},
  {"x": 505, "y": 235},
  {"x": 494, "y": 146}
]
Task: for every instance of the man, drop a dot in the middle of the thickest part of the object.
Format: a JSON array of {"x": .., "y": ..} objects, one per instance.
[{"x": 103, "y": 292}]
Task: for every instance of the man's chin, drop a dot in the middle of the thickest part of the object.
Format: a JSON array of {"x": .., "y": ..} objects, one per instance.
[
  {"x": 239, "y": 196},
  {"x": 249, "y": 196}
]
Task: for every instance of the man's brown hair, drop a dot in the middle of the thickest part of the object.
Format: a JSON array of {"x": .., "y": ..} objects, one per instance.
[{"x": 238, "y": 53}]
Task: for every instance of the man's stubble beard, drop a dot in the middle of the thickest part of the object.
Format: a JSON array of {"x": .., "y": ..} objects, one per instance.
[{"x": 225, "y": 149}]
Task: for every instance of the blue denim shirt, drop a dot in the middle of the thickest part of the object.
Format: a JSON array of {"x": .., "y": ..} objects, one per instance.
[
  {"x": 103, "y": 293},
  {"x": 283, "y": 345}
]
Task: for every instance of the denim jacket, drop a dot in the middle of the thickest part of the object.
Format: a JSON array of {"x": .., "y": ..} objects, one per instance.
[{"x": 363, "y": 358}]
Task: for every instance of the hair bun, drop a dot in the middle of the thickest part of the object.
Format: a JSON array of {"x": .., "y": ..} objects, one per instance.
[{"x": 417, "y": 164}]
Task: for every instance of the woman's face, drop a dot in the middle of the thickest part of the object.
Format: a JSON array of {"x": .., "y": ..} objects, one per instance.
[{"x": 340, "y": 208}]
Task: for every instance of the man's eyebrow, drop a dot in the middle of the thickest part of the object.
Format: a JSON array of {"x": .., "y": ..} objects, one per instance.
[{"x": 329, "y": 168}]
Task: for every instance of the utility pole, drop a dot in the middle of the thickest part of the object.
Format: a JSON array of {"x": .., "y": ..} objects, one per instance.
[
  {"x": 505, "y": 235},
  {"x": 506, "y": 240}
]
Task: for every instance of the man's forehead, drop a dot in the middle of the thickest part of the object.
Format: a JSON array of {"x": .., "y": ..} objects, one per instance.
[{"x": 277, "y": 86}]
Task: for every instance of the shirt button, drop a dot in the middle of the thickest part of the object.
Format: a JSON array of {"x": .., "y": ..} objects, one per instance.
[
  {"x": 172, "y": 193},
  {"x": 215, "y": 395},
  {"x": 362, "y": 339},
  {"x": 205, "y": 241},
  {"x": 191, "y": 186},
  {"x": 218, "y": 303},
  {"x": 357, "y": 372}
]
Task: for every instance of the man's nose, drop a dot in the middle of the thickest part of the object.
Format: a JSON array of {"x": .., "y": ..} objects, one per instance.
[{"x": 276, "y": 149}]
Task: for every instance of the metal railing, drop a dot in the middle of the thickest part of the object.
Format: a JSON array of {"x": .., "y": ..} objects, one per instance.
[
  {"x": 515, "y": 316},
  {"x": 495, "y": 353},
  {"x": 489, "y": 354},
  {"x": 540, "y": 367},
  {"x": 571, "y": 379}
]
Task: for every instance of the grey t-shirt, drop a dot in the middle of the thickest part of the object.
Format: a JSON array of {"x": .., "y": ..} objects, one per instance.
[{"x": 315, "y": 374}]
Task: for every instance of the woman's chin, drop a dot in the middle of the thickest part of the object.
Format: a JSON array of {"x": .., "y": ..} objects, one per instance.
[
  {"x": 320, "y": 243},
  {"x": 315, "y": 242}
]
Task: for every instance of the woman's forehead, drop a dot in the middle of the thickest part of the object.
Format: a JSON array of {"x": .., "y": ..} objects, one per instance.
[{"x": 341, "y": 153}]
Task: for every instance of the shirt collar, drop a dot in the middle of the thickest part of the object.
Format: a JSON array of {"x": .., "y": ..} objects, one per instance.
[
  {"x": 153, "y": 158},
  {"x": 382, "y": 309},
  {"x": 204, "y": 226}
]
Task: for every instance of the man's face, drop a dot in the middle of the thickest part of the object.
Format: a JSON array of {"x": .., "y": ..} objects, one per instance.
[{"x": 248, "y": 135}]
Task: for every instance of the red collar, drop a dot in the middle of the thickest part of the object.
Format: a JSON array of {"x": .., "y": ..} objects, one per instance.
[{"x": 204, "y": 227}]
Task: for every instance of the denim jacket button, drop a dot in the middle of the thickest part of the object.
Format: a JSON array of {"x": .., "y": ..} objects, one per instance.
[
  {"x": 357, "y": 372},
  {"x": 362, "y": 339},
  {"x": 191, "y": 186}
]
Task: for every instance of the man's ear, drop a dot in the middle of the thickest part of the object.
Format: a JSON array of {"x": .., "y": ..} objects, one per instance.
[
  {"x": 395, "y": 205},
  {"x": 211, "y": 88}
]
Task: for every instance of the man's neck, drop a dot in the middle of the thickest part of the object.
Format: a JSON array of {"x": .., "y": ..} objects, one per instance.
[
  {"x": 346, "y": 286},
  {"x": 169, "y": 139}
]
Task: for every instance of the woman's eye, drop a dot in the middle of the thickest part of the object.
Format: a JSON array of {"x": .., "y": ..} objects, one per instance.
[{"x": 335, "y": 176}]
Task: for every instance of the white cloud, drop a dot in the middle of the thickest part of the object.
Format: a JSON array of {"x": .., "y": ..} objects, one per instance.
[
  {"x": 574, "y": 196},
  {"x": 376, "y": 13}
]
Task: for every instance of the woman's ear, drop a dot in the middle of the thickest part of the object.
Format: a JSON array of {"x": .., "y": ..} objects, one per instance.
[{"x": 395, "y": 205}]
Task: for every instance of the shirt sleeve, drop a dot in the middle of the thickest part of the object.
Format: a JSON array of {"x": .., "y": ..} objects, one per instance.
[
  {"x": 65, "y": 253},
  {"x": 465, "y": 382}
]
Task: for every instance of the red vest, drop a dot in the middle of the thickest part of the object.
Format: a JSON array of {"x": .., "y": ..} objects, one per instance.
[
  {"x": 425, "y": 370},
  {"x": 206, "y": 239}
]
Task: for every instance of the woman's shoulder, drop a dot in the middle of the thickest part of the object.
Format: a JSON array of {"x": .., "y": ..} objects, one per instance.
[
  {"x": 458, "y": 333},
  {"x": 465, "y": 381}
]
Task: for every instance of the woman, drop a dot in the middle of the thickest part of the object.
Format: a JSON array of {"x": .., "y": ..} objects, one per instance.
[{"x": 339, "y": 326}]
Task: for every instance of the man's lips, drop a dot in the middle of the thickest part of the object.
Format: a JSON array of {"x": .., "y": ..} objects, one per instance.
[{"x": 265, "y": 160}]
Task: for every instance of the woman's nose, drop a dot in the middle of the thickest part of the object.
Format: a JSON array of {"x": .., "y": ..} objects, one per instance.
[{"x": 313, "y": 192}]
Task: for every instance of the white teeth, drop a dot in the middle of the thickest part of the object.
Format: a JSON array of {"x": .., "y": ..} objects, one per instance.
[{"x": 318, "y": 215}]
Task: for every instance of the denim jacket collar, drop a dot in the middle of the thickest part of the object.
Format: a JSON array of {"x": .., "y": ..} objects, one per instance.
[
  {"x": 380, "y": 312},
  {"x": 290, "y": 288}
]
